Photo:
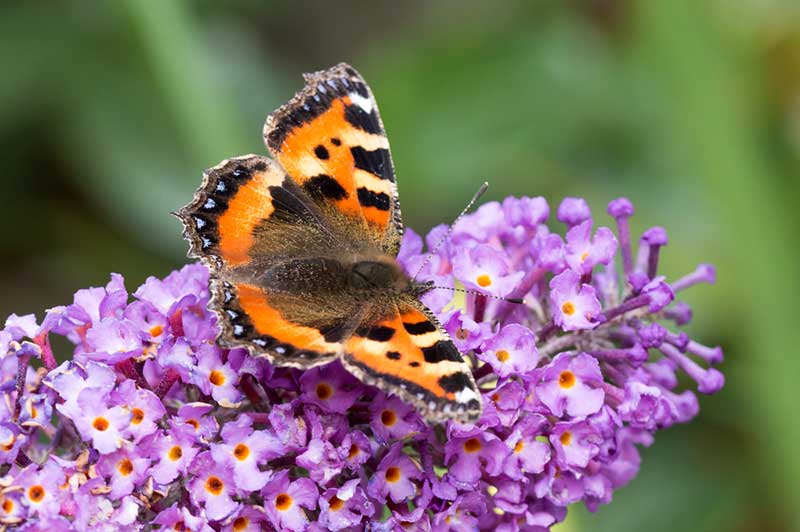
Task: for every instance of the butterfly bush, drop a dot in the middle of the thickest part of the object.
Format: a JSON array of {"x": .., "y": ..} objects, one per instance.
[{"x": 150, "y": 425}]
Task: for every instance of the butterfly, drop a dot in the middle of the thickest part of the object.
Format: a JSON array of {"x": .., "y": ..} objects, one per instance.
[{"x": 302, "y": 251}]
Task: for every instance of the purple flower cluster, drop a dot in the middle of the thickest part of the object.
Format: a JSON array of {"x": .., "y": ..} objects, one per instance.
[{"x": 151, "y": 424}]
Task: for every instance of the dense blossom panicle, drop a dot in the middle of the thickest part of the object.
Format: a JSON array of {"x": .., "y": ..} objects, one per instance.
[{"x": 148, "y": 422}]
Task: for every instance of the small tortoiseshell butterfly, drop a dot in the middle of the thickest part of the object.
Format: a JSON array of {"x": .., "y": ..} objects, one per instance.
[{"x": 302, "y": 250}]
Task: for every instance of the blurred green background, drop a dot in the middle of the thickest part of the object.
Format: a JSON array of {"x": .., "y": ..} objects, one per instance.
[{"x": 109, "y": 111}]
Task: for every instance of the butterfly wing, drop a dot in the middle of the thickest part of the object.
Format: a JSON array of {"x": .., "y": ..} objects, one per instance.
[
  {"x": 242, "y": 202},
  {"x": 331, "y": 141},
  {"x": 409, "y": 353},
  {"x": 251, "y": 224}
]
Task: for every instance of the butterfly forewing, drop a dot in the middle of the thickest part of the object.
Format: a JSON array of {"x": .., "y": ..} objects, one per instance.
[{"x": 331, "y": 141}]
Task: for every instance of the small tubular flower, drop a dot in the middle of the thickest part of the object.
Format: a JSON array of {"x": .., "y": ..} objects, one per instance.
[{"x": 150, "y": 422}]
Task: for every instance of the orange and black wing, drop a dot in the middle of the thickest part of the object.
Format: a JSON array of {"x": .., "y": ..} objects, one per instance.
[
  {"x": 248, "y": 215},
  {"x": 285, "y": 327},
  {"x": 331, "y": 141},
  {"x": 247, "y": 221},
  {"x": 409, "y": 353}
]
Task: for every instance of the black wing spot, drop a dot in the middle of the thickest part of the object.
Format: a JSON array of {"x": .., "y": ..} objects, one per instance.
[
  {"x": 288, "y": 207},
  {"x": 321, "y": 152},
  {"x": 361, "y": 89},
  {"x": 333, "y": 333},
  {"x": 335, "y": 141},
  {"x": 422, "y": 327},
  {"x": 455, "y": 382},
  {"x": 324, "y": 186},
  {"x": 377, "y": 162},
  {"x": 441, "y": 351},
  {"x": 414, "y": 364},
  {"x": 363, "y": 120},
  {"x": 393, "y": 355},
  {"x": 369, "y": 198},
  {"x": 381, "y": 334},
  {"x": 377, "y": 334}
]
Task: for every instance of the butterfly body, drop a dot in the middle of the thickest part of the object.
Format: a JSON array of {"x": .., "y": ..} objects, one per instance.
[{"x": 302, "y": 251}]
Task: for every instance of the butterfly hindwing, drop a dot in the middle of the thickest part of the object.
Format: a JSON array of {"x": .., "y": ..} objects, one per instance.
[
  {"x": 278, "y": 324},
  {"x": 408, "y": 352},
  {"x": 331, "y": 141}
]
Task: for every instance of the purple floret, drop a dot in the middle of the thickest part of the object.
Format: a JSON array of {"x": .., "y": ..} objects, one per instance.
[{"x": 149, "y": 421}]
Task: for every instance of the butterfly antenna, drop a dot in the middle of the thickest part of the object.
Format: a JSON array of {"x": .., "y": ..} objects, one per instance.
[
  {"x": 481, "y": 191},
  {"x": 516, "y": 300}
]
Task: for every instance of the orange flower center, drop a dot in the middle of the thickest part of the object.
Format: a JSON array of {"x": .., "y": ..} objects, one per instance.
[
  {"x": 502, "y": 355},
  {"x": 472, "y": 445},
  {"x": 36, "y": 493},
  {"x": 216, "y": 377},
  {"x": 519, "y": 446},
  {"x": 194, "y": 423},
  {"x": 388, "y": 418},
  {"x": 137, "y": 416},
  {"x": 568, "y": 308},
  {"x": 393, "y": 474},
  {"x": 462, "y": 333},
  {"x": 241, "y": 452},
  {"x": 10, "y": 445},
  {"x": 8, "y": 506},
  {"x": 335, "y": 503},
  {"x": 584, "y": 256},
  {"x": 283, "y": 502},
  {"x": 175, "y": 453},
  {"x": 125, "y": 467},
  {"x": 214, "y": 485},
  {"x": 566, "y": 379},
  {"x": 324, "y": 391},
  {"x": 155, "y": 330},
  {"x": 483, "y": 280},
  {"x": 354, "y": 450},
  {"x": 100, "y": 423},
  {"x": 240, "y": 523},
  {"x": 565, "y": 438}
]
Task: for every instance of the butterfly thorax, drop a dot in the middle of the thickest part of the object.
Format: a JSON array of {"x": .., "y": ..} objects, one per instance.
[
  {"x": 383, "y": 275},
  {"x": 377, "y": 275}
]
